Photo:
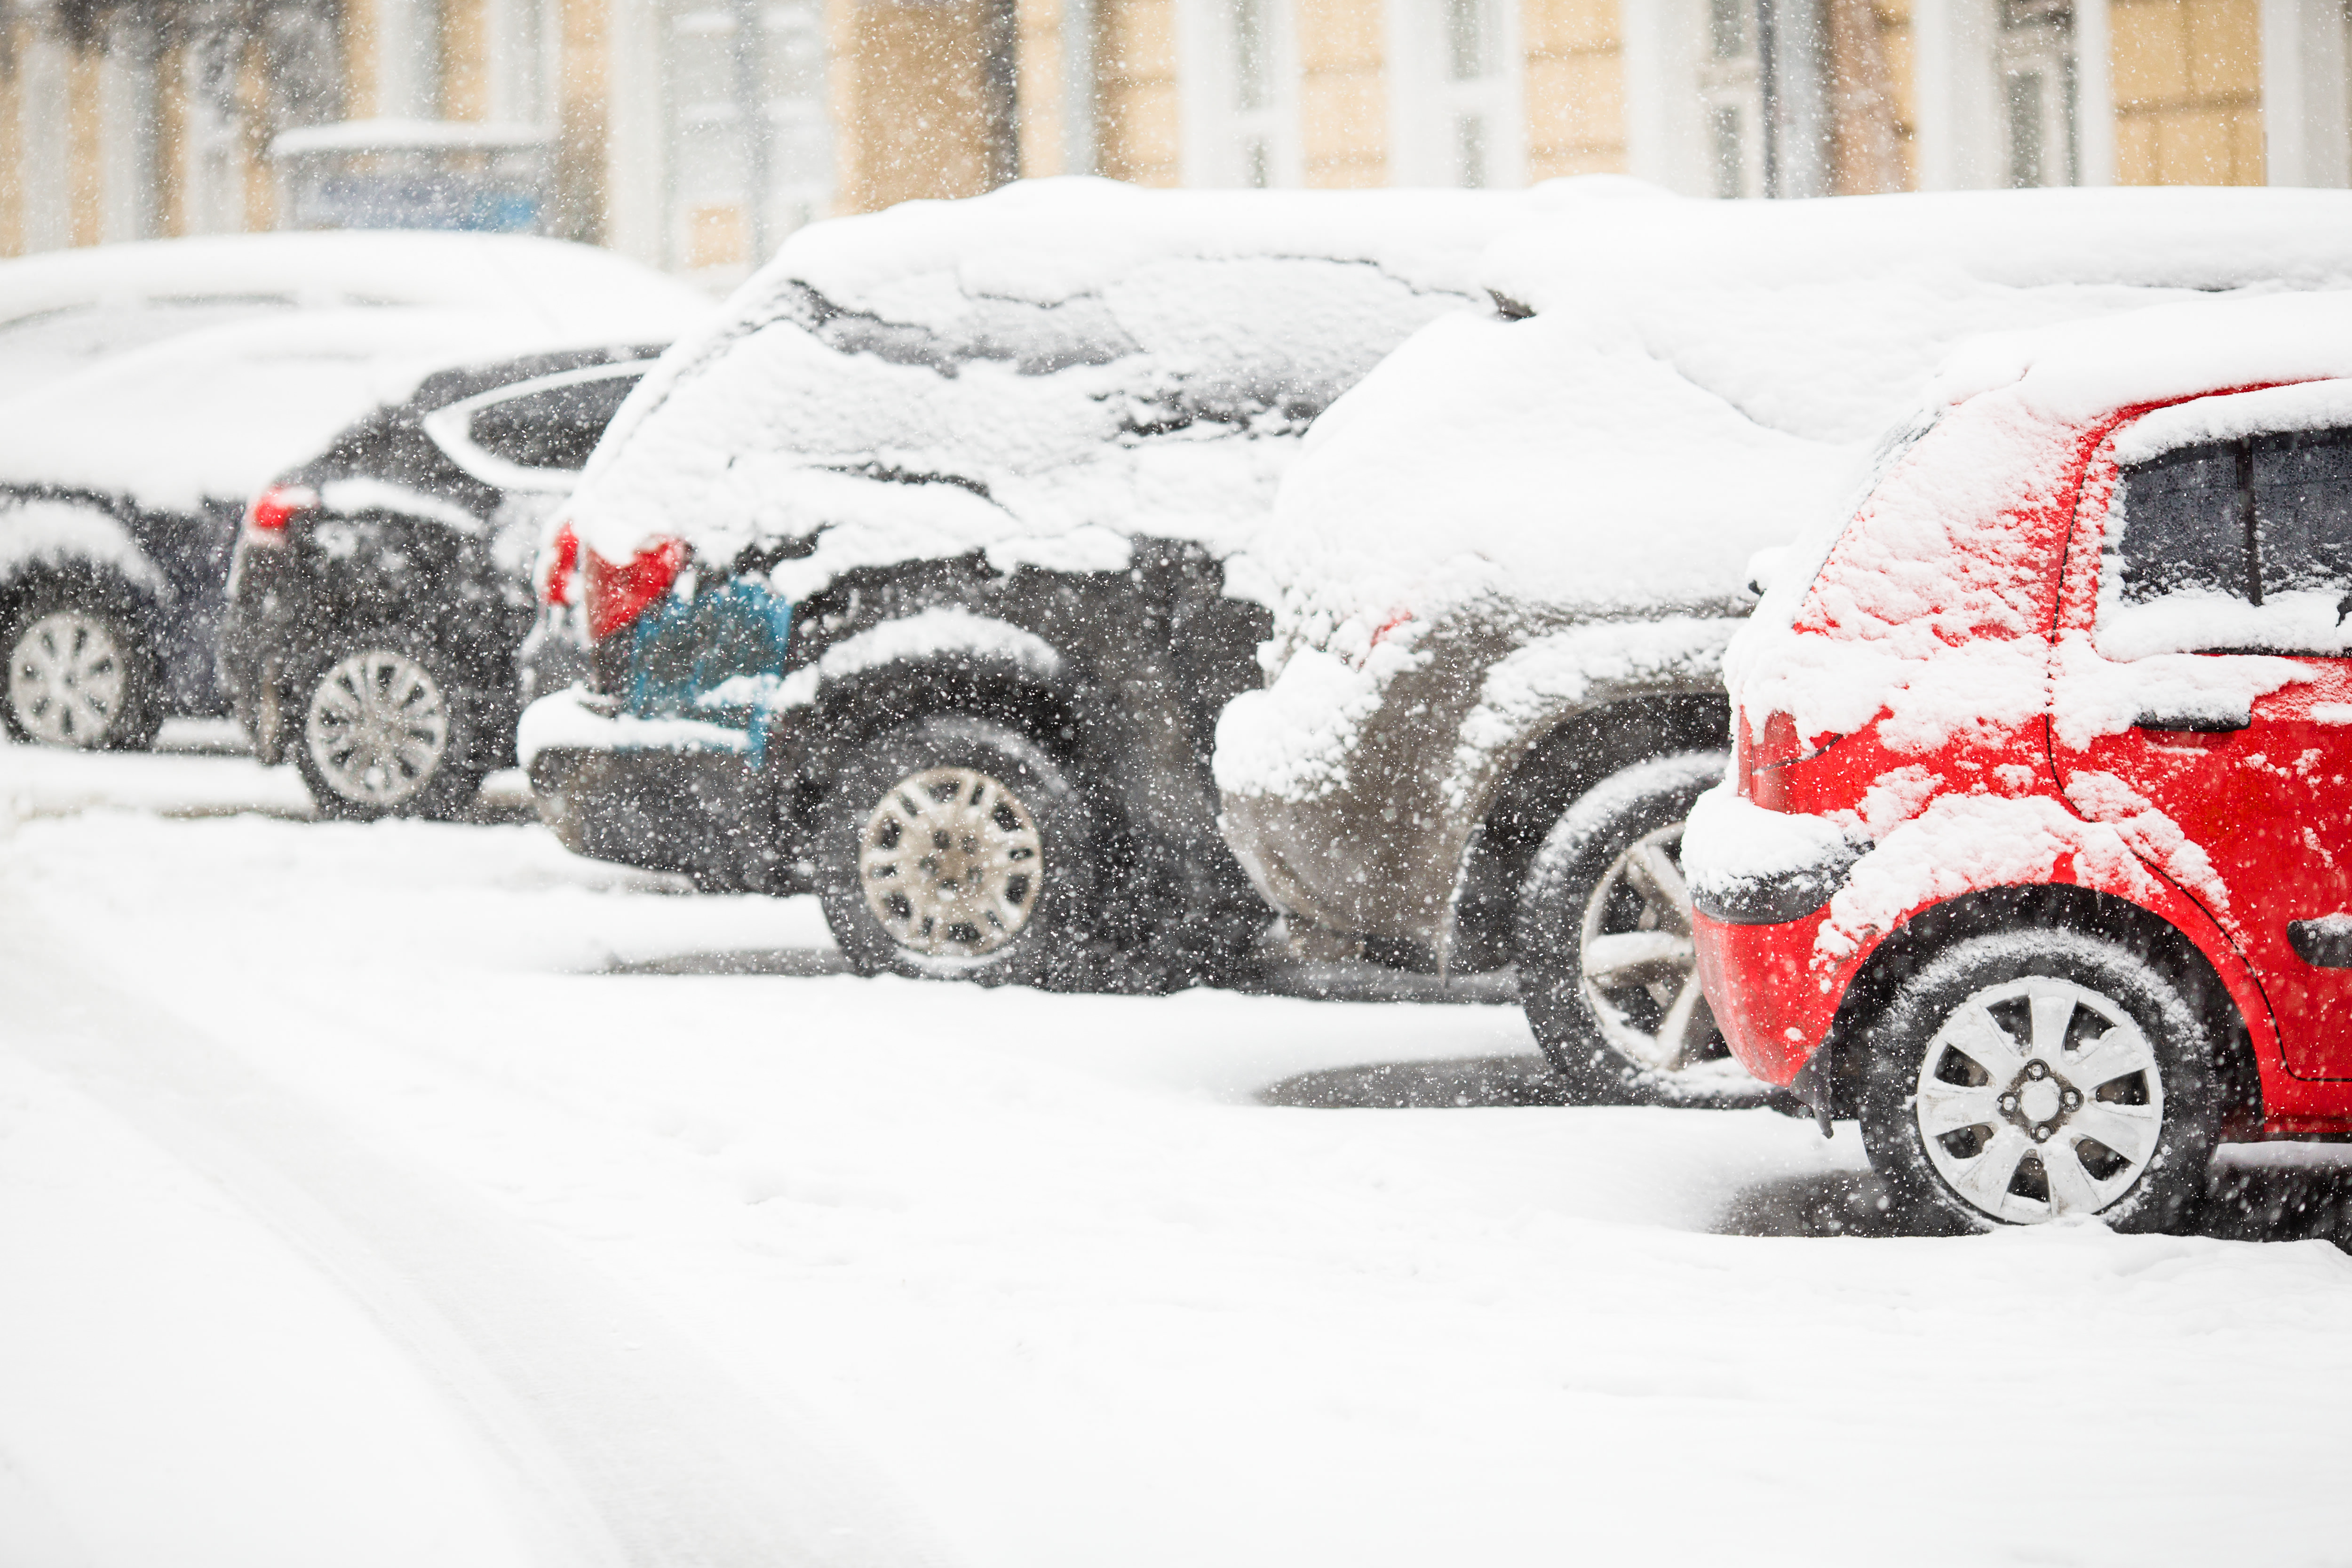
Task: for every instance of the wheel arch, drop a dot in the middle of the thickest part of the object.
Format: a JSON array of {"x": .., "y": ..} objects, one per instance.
[
  {"x": 812, "y": 743},
  {"x": 1551, "y": 773},
  {"x": 2183, "y": 941},
  {"x": 72, "y": 543}
]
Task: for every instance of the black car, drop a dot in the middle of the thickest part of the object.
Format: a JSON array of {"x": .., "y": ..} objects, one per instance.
[
  {"x": 379, "y": 593},
  {"x": 153, "y": 388},
  {"x": 917, "y": 588}
]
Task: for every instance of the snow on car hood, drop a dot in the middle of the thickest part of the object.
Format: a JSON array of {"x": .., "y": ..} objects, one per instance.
[
  {"x": 1061, "y": 360},
  {"x": 213, "y": 415},
  {"x": 1699, "y": 380}
]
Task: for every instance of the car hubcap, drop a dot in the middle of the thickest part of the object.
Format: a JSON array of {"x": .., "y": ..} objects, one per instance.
[
  {"x": 2038, "y": 1098},
  {"x": 65, "y": 679},
  {"x": 377, "y": 728},
  {"x": 951, "y": 864},
  {"x": 1640, "y": 966}
]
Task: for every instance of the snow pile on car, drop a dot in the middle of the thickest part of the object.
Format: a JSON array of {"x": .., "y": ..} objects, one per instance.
[
  {"x": 1698, "y": 380},
  {"x": 213, "y": 415},
  {"x": 1041, "y": 373},
  {"x": 179, "y": 373}
]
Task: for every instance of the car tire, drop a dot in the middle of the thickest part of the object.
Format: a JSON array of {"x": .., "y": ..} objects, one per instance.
[
  {"x": 382, "y": 729},
  {"x": 81, "y": 675},
  {"x": 1005, "y": 891},
  {"x": 1999, "y": 1064},
  {"x": 1608, "y": 971}
]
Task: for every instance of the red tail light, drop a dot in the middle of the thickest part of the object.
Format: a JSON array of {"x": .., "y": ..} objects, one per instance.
[
  {"x": 619, "y": 594},
  {"x": 560, "y": 566},
  {"x": 1767, "y": 748},
  {"x": 275, "y": 507}
]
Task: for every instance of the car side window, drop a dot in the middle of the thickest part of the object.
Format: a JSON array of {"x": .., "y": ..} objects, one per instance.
[
  {"x": 554, "y": 428},
  {"x": 2303, "y": 511},
  {"x": 2241, "y": 546},
  {"x": 2181, "y": 527}
]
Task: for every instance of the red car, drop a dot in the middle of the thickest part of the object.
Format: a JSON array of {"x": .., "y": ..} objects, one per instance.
[{"x": 2037, "y": 854}]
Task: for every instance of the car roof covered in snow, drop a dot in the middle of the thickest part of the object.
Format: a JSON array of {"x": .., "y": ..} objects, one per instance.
[
  {"x": 567, "y": 288},
  {"x": 1699, "y": 378},
  {"x": 1044, "y": 372},
  {"x": 212, "y": 416},
  {"x": 61, "y": 311}
]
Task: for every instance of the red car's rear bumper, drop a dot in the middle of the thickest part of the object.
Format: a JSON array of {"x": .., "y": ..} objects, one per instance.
[{"x": 1773, "y": 1006}]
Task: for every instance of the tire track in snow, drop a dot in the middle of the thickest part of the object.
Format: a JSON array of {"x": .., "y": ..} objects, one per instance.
[{"x": 635, "y": 1450}]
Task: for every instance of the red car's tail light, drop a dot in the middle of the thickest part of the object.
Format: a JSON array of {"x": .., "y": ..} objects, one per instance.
[
  {"x": 559, "y": 567},
  {"x": 275, "y": 507},
  {"x": 618, "y": 595},
  {"x": 1766, "y": 748}
]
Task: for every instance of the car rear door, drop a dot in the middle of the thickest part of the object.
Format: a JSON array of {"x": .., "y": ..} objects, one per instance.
[{"x": 2207, "y": 714}]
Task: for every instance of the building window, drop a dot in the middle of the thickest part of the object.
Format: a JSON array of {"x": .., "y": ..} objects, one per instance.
[
  {"x": 1731, "y": 91},
  {"x": 2037, "y": 92},
  {"x": 1458, "y": 112},
  {"x": 749, "y": 155},
  {"x": 1240, "y": 87}
]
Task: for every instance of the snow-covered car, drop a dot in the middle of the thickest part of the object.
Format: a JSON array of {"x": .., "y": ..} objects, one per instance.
[
  {"x": 2036, "y": 856},
  {"x": 154, "y": 388},
  {"x": 379, "y": 593},
  {"x": 910, "y": 581},
  {"x": 1508, "y": 562}
]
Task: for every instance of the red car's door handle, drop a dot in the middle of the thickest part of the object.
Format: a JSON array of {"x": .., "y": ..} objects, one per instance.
[{"x": 2195, "y": 723}]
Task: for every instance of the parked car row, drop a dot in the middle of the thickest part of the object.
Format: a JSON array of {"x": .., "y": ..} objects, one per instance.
[
  {"x": 153, "y": 391},
  {"x": 1085, "y": 586}
]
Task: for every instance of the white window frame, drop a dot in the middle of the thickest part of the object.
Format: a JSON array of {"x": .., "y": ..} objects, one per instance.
[
  {"x": 1730, "y": 94},
  {"x": 2040, "y": 47},
  {"x": 451, "y": 429},
  {"x": 1225, "y": 141},
  {"x": 1430, "y": 104}
]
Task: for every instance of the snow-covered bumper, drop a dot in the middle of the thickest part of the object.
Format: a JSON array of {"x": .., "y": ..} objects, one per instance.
[
  {"x": 665, "y": 793},
  {"x": 1760, "y": 883}
]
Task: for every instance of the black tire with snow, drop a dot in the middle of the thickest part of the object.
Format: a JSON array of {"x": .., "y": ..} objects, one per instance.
[
  {"x": 382, "y": 728},
  {"x": 1592, "y": 877},
  {"x": 2054, "y": 996},
  {"x": 99, "y": 632},
  {"x": 954, "y": 848}
]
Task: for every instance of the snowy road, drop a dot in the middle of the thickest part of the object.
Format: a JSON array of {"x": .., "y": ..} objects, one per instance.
[{"x": 367, "y": 1196}]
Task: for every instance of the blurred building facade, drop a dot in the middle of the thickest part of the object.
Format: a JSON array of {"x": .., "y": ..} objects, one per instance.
[{"x": 696, "y": 134}]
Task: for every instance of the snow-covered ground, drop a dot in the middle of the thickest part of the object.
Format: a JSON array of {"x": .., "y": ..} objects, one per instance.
[{"x": 419, "y": 1194}]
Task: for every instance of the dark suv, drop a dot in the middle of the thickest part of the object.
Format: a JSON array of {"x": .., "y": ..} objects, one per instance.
[
  {"x": 379, "y": 591},
  {"x": 910, "y": 584}
]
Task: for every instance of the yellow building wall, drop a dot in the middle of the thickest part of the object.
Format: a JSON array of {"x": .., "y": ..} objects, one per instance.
[
  {"x": 1138, "y": 126},
  {"x": 1343, "y": 125},
  {"x": 464, "y": 59},
  {"x": 1575, "y": 87},
  {"x": 2187, "y": 83},
  {"x": 911, "y": 112},
  {"x": 1039, "y": 93},
  {"x": 85, "y": 165},
  {"x": 11, "y": 141},
  {"x": 582, "y": 87},
  {"x": 361, "y": 84}
]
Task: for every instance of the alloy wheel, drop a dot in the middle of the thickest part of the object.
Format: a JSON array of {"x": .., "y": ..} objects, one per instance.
[
  {"x": 2038, "y": 1098},
  {"x": 951, "y": 864},
  {"x": 1639, "y": 962},
  {"x": 67, "y": 680},
  {"x": 378, "y": 727}
]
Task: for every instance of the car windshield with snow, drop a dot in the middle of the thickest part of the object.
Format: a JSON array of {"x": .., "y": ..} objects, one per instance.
[
  {"x": 156, "y": 388},
  {"x": 1507, "y": 567},
  {"x": 909, "y": 583},
  {"x": 2036, "y": 856},
  {"x": 380, "y": 592}
]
